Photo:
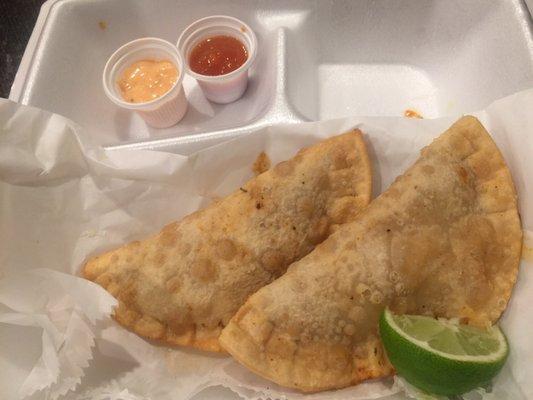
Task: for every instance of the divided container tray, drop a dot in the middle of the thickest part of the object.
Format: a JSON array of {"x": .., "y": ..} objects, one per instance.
[{"x": 316, "y": 60}]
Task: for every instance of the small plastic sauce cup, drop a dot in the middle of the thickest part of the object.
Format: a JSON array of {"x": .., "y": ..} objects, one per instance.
[
  {"x": 164, "y": 111},
  {"x": 220, "y": 88}
]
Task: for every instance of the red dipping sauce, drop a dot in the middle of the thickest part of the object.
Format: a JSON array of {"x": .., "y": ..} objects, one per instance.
[{"x": 217, "y": 55}]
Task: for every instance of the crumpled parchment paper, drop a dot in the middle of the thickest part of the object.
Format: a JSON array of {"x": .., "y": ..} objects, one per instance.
[{"x": 63, "y": 199}]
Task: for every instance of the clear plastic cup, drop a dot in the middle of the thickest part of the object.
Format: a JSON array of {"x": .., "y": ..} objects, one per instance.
[
  {"x": 164, "y": 111},
  {"x": 221, "y": 88}
]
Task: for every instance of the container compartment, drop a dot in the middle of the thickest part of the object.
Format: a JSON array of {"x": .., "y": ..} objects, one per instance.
[{"x": 378, "y": 58}]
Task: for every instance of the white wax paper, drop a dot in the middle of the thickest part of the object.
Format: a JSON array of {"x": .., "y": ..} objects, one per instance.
[{"x": 63, "y": 199}]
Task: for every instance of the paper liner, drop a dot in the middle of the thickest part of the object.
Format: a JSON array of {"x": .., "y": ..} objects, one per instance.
[
  {"x": 64, "y": 200},
  {"x": 61, "y": 306}
]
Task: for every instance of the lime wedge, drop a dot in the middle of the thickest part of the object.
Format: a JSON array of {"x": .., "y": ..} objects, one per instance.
[{"x": 441, "y": 356}]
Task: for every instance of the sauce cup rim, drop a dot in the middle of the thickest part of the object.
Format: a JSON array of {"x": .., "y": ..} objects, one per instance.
[
  {"x": 125, "y": 51},
  {"x": 203, "y": 25}
]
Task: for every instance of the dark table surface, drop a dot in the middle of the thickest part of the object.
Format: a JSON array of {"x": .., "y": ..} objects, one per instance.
[{"x": 17, "y": 18}]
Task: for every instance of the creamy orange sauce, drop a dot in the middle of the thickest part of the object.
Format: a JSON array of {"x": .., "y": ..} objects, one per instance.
[
  {"x": 147, "y": 80},
  {"x": 412, "y": 114}
]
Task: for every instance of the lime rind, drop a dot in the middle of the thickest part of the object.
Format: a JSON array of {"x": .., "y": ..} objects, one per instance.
[
  {"x": 492, "y": 357},
  {"x": 435, "y": 371}
]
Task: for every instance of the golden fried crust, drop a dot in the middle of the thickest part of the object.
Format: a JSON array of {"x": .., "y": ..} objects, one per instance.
[
  {"x": 444, "y": 240},
  {"x": 182, "y": 286}
]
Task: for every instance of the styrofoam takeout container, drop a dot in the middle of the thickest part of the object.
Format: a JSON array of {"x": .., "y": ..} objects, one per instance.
[
  {"x": 222, "y": 88},
  {"x": 317, "y": 60},
  {"x": 162, "y": 112}
]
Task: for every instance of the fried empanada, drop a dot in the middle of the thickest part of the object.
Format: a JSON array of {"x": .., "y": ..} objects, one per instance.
[
  {"x": 182, "y": 286},
  {"x": 444, "y": 240}
]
